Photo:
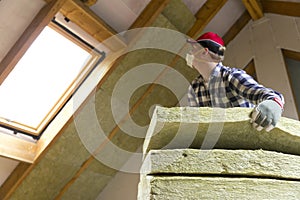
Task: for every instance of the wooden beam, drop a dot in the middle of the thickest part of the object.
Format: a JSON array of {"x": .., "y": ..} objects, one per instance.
[
  {"x": 41, "y": 20},
  {"x": 236, "y": 27},
  {"x": 250, "y": 69},
  {"x": 254, "y": 9},
  {"x": 204, "y": 16},
  {"x": 17, "y": 148},
  {"x": 291, "y": 54},
  {"x": 89, "y": 2},
  {"x": 92, "y": 24},
  {"x": 145, "y": 19},
  {"x": 150, "y": 13},
  {"x": 85, "y": 2},
  {"x": 281, "y": 7}
]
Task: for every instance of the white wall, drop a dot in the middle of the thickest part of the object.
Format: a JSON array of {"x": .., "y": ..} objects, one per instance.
[
  {"x": 262, "y": 40},
  {"x": 15, "y": 16}
]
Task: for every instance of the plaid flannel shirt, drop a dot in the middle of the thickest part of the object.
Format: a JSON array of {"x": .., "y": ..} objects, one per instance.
[{"x": 228, "y": 87}]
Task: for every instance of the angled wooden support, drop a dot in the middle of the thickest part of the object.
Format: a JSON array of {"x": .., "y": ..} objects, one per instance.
[
  {"x": 281, "y": 7},
  {"x": 291, "y": 54},
  {"x": 145, "y": 19},
  {"x": 254, "y": 9},
  {"x": 89, "y": 2},
  {"x": 204, "y": 16},
  {"x": 236, "y": 27},
  {"x": 150, "y": 13}
]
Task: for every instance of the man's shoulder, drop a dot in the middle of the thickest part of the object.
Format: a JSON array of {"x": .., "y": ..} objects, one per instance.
[
  {"x": 231, "y": 69},
  {"x": 199, "y": 78}
]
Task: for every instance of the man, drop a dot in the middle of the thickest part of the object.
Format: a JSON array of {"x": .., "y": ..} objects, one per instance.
[{"x": 221, "y": 86}]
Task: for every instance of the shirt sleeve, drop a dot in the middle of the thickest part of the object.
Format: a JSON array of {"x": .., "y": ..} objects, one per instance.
[
  {"x": 192, "y": 97},
  {"x": 246, "y": 87}
]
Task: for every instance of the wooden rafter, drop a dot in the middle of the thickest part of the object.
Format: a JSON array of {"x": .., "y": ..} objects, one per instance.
[
  {"x": 254, "y": 9},
  {"x": 150, "y": 13},
  {"x": 89, "y": 2},
  {"x": 85, "y": 2},
  {"x": 250, "y": 69},
  {"x": 29, "y": 35},
  {"x": 236, "y": 27},
  {"x": 17, "y": 148},
  {"x": 291, "y": 54},
  {"x": 145, "y": 19},
  {"x": 282, "y": 8},
  {"x": 92, "y": 24},
  {"x": 204, "y": 16}
]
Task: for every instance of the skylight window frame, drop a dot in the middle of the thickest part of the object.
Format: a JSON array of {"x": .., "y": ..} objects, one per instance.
[
  {"x": 31, "y": 149},
  {"x": 95, "y": 57}
]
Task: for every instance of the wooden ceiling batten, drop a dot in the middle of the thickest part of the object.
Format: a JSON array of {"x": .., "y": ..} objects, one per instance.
[
  {"x": 254, "y": 9},
  {"x": 149, "y": 14},
  {"x": 41, "y": 20},
  {"x": 281, "y": 8},
  {"x": 236, "y": 27},
  {"x": 250, "y": 69},
  {"x": 89, "y": 2},
  {"x": 291, "y": 54},
  {"x": 145, "y": 19},
  {"x": 204, "y": 16}
]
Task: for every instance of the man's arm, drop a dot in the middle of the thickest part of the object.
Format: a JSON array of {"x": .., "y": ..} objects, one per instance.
[
  {"x": 269, "y": 103},
  {"x": 246, "y": 87},
  {"x": 192, "y": 97}
]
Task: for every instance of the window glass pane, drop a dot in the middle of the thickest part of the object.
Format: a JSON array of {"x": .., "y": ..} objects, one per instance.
[
  {"x": 40, "y": 78},
  {"x": 293, "y": 67}
]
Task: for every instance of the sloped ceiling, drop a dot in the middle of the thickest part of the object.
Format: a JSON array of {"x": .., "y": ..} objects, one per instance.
[{"x": 83, "y": 180}]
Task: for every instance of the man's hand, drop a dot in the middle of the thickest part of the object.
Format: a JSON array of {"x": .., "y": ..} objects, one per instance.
[{"x": 266, "y": 115}]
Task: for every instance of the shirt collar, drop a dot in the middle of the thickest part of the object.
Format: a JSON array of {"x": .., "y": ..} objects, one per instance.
[
  {"x": 216, "y": 70},
  {"x": 213, "y": 74}
]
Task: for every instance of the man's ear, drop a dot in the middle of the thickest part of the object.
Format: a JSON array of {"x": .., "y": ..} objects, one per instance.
[{"x": 206, "y": 51}]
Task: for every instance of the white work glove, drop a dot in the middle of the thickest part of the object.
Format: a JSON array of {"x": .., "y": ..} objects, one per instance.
[{"x": 266, "y": 115}]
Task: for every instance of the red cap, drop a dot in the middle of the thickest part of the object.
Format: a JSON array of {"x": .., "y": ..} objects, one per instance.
[
  {"x": 210, "y": 36},
  {"x": 212, "y": 41}
]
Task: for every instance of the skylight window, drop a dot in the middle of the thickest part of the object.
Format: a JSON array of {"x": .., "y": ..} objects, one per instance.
[{"x": 40, "y": 80}]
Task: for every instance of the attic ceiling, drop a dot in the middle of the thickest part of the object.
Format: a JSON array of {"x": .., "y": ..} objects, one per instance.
[{"x": 65, "y": 169}]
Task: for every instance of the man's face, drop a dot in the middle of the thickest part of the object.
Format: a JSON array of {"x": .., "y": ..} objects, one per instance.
[
  {"x": 196, "y": 49},
  {"x": 195, "y": 55}
]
